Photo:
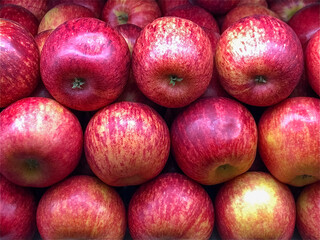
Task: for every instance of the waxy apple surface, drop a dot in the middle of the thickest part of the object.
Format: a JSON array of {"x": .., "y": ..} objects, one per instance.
[
  {"x": 171, "y": 206},
  {"x": 127, "y": 143},
  {"x": 219, "y": 7},
  {"x": 172, "y": 61},
  {"x": 259, "y": 60},
  {"x": 19, "y": 62},
  {"x": 214, "y": 140},
  {"x": 40, "y": 142},
  {"x": 289, "y": 140},
  {"x": 81, "y": 207},
  {"x": 85, "y": 64},
  {"x": 255, "y": 205}
]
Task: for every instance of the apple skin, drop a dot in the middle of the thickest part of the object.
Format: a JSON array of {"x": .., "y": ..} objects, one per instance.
[
  {"x": 255, "y": 205},
  {"x": 291, "y": 123},
  {"x": 81, "y": 207},
  {"x": 138, "y": 12},
  {"x": 172, "y": 61},
  {"x": 219, "y": 7},
  {"x": 308, "y": 212},
  {"x": 20, "y": 15},
  {"x": 171, "y": 206},
  {"x": 19, "y": 63},
  {"x": 167, "y": 5},
  {"x": 41, "y": 38},
  {"x": 312, "y": 60},
  {"x": 17, "y": 211},
  {"x": 41, "y": 142},
  {"x": 305, "y": 22},
  {"x": 37, "y": 7},
  {"x": 130, "y": 32},
  {"x": 62, "y": 13},
  {"x": 242, "y": 11},
  {"x": 256, "y": 2},
  {"x": 196, "y": 14},
  {"x": 126, "y": 143},
  {"x": 288, "y": 8},
  {"x": 214, "y": 139},
  {"x": 259, "y": 60},
  {"x": 85, "y": 64}
]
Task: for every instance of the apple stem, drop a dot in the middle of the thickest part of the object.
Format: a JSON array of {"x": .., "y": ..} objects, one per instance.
[
  {"x": 78, "y": 82},
  {"x": 174, "y": 79},
  {"x": 260, "y": 79}
]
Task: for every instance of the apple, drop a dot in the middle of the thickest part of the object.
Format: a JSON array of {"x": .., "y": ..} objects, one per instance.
[
  {"x": 62, "y": 13},
  {"x": 138, "y": 12},
  {"x": 219, "y": 7},
  {"x": 126, "y": 143},
  {"x": 305, "y": 22},
  {"x": 308, "y": 212},
  {"x": 245, "y": 10},
  {"x": 171, "y": 206},
  {"x": 19, "y": 62},
  {"x": 166, "y": 5},
  {"x": 37, "y": 7},
  {"x": 255, "y": 205},
  {"x": 130, "y": 32},
  {"x": 289, "y": 140},
  {"x": 81, "y": 207},
  {"x": 172, "y": 61},
  {"x": 312, "y": 60},
  {"x": 20, "y": 15},
  {"x": 259, "y": 60},
  {"x": 41, "y": 38},
  {"x": 196, "y": 14},
  {"x": 257, "y": 2},
  {"x": 94, "y": 5},
  {"x": 287, "y": 8},
  {"x": 17, "y": 211},
  {"x": 85, "y": 64},
  {"x": 214, "y": 139},
  {"x": 41, "y": 142}
]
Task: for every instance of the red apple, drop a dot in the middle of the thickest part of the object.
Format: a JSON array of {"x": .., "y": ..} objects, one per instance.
[
  {"x": 20, "y": 15},
  {"x": 81, "y": 207},
  {"x": 306, "y": 22},
  {"x": 172, "y": 61},
  {"x": 166, "y": 5},
  {"x": 245, "y": 10},
  {"x": 289, "y": 140},
  {"x": 214, "y": 139},
  {"x": 196, "y": 14},
  {"x": 19, "y": 62},
  {"x": 308, "y": 212},
  {"x": 170, "y": 207},
  {"x": 138, "y": 12},
  {"x": 287, "y": 8},
  {"x": 127, "y": 143},
  {"x": 255, "y": 205},
  {"x": 259, "y": 60},
  {"x": 130, "y": 32},
  {"x": 62, "y": 13},
  {"x": 17, "y": 211},
  {"x": 41, "y": 38},
  {"x": 37, "y": 7},
  {"x": 257, "y": 2},
  {"x": 41, "y": 142},
  {"x": 303, "y": 89},
  {"x": 220, "y": 7},
  {"x": 312, "y": 60},
  {"x": 85, "y": 64}
]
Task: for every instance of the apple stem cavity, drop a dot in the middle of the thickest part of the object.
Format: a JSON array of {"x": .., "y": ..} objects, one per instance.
[
  {"x": 123, "y": 18},
  {"x": 32, "y": 164},
  {"x": 174, "y": 79},
  {"x": 260, "y": 79},
  {"x": 77, "y": 83}
]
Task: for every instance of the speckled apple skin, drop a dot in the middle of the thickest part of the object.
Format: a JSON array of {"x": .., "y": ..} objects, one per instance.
[
  {"x": 171, "y": 207},
  {"x": 289, "y": 140},
  {"x": 19, "y": 62},
  {"x": 89, "y": 49},
  {"x": 36, "y": 7},
  {"x": 255, "y": 205},
  {"x": 81, "y": 207},
  {"x": 259, "y": 45}
]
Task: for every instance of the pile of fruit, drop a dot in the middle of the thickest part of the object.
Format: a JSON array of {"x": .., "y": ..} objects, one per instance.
[{"x": 159, "y": 119}]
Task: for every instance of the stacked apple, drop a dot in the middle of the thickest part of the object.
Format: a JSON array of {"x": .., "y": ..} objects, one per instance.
[{"x": 159, "y": 119}]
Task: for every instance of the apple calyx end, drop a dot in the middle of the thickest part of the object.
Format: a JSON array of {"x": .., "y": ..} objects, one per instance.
[
  {"x": 77, "y": 83},
  {"x": 32, "y": 164},
  {"x": 260, "y": 79},
  {"x": 122, "y": 18},
  {"x": 174, "y": 79}
]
